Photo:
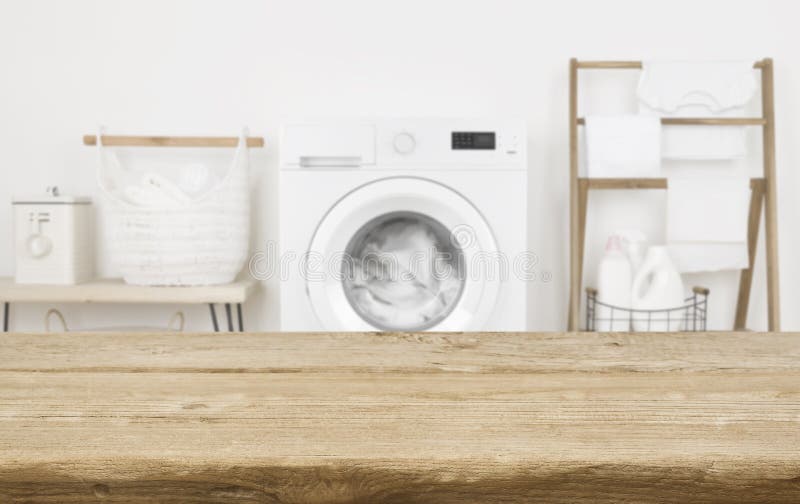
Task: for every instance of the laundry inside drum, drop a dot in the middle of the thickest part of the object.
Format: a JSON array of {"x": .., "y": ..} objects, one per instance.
[{"x": 403, "y": 271}]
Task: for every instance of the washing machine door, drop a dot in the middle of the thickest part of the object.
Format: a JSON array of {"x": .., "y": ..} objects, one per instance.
[{"x": 402, "y": 254}]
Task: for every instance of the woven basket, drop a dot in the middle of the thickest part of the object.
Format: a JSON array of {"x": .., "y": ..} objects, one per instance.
[{"x": 202, "y": 242}]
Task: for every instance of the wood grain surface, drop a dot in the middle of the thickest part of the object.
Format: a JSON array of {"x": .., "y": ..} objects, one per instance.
[{"x": 400, "y": 418}]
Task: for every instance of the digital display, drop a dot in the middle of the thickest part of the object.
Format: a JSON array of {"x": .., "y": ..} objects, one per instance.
[{"x": 475, "y": 140}]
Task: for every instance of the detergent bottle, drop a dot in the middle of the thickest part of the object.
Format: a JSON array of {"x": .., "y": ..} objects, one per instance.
[
  {"x": 657, "y": 285},
  {"x": 613, "y": 288},
  {"x": 633, "y": 241}
]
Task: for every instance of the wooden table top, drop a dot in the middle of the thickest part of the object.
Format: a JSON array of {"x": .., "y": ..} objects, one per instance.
[{"x": 400, "y": 418}]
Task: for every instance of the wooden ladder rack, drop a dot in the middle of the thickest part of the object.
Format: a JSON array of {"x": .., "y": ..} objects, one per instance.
[{"x": 763, "y": 191}]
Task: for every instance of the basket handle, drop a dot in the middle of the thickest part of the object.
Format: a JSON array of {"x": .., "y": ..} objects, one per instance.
[
  {"x": 101, "y": 163},
  {"x": 178, "y": 318},
  {"x": 59, "y": 316}
]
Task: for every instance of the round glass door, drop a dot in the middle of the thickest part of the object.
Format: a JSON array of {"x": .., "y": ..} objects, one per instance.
[
  {"x": 403, "y": 271},
  {"x": 401, "y": 254}
]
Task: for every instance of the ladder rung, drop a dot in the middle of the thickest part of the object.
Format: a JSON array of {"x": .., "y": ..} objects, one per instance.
[
  {"x": 707, "y": 121},
  {"x": 165, "y": 141},
  {"x": 609, "y": 64},
  {"x": 639, "y": 183},
  {"x": 628, "y": 64}
]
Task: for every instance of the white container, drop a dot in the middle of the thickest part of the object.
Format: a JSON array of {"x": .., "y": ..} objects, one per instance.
[
  {"x": 657, "y": 286},
  {"x": 53, "y": 239},
  {"x": 614, "y": 279}
]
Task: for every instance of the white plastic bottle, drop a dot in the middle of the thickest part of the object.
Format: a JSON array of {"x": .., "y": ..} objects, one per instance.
[
  {"x": 633, "y": 241},
  {"x": 613, "y": 288},
  {"x": 657, "y": 285}
]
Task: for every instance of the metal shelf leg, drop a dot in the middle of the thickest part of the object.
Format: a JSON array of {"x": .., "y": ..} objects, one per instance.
[
  {"x": 213, "y": 317},
  {"x": 229, "y": 317}
]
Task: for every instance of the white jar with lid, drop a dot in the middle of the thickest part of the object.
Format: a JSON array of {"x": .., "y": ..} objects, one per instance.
[{"x": 53, "y": 239}]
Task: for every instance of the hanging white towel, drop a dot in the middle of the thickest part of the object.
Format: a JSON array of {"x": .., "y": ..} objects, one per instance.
[
  {"x": 707, "y": 222},
  {"x": 698, "y": 89},
  {"x": 696, "y": 258},
  {"x": 623, "y": 146},
  {"x": 667, "y": 86},
  {"x": 700, "y": 143}
]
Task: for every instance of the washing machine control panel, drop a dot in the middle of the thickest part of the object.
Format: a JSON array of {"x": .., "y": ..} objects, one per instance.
[
  {"x": 473, "y": 140},
  {"x": 434, "y": 144}
]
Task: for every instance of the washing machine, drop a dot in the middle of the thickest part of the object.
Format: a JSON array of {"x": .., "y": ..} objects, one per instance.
[{"x": 403, "y": 225}]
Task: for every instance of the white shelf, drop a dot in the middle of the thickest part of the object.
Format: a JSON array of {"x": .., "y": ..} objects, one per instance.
[{"x": 116, "y": 291}]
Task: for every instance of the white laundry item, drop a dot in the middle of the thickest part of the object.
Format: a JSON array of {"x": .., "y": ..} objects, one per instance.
[
  {"x": 393, "y": 277},
  {"x": 155, "y": 191},
  {"x": 700, "y": 143},
  {"x": 707, "y": 209},
  {"x": 196, "y": 178},
  {"x": 166, "y": 187},
  {"x": 707, "y": 222},
  {"x": 698, "y": 89},
  {"x": 667, "y": 86},
  {"x": 141, "y": 197},
  {"x": 706, "y": 257},
  {"x": 623, "y": 146},
  {"x": 704, "y": 142}
]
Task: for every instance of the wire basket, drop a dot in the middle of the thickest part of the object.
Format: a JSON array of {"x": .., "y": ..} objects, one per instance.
[{"x": 689, "y": 317}]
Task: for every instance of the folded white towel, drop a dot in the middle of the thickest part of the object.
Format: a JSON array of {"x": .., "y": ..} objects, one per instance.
[
  {"x": 707, "y": 222},
  {"x": 701, "y": 143},
  {"x": 623, "y": 146},
  {"x": 698, "y": 89},
  {"x": 667, "y": 86}
]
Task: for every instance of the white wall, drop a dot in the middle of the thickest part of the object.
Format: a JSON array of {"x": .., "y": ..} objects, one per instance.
[{"x": 203, "y": 67}]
